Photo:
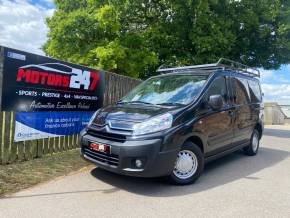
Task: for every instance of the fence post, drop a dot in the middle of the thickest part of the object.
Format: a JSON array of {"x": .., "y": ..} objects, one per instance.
[
  {"x": 13, "y": 155},
  {"x": 34, "y": 147},
  {"x": 61, "y": 143},
  {"x": 27, "y": 150},
  {"x": 45, "y": 146},
  {"x": 6, "y": 129},
  {"x": 56, "y": 144},
  {"x": 50, "y": 144},
  {"x": 1, "y": 138},
  {"x": 73, "y": 141},
  {"x": 40, "y": 145},
  {"x": 77, "y": 141}
]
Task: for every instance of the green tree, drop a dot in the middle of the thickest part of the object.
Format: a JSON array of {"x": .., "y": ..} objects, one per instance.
[{"x": 134, "y": 37}]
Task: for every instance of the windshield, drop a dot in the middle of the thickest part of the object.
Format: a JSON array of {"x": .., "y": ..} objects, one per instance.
[{"x": 170, "y": 89}]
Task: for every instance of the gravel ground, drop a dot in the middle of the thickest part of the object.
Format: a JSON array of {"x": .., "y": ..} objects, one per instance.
[{"x": 234, "y": 186}]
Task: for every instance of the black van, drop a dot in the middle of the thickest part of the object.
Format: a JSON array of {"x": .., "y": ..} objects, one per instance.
[{"x": 172, "y": 124}]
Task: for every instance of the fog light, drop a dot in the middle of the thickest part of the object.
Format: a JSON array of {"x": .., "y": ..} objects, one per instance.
[{"x": 138, "y": 163}]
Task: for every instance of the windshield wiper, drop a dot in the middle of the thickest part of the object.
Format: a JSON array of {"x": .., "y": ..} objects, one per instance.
[
  {"x": 171, "y": 104},
  {"x": 121, "y": 102},
  {"x": 140, "y": 102},
  {"x": 134, "y": 102}
]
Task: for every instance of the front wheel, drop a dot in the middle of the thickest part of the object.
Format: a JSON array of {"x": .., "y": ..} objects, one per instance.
[
  {"x": 189, "y": 165},
  {"x": 252, "y": 149}
]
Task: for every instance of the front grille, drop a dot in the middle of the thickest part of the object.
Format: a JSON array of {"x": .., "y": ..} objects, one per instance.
[
  {"x": 107, "y": 135},
  {"x": 111, "y": 159}
]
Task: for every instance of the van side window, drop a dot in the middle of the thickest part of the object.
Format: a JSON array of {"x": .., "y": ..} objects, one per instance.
[
  {"x": 255, "y": 91},
  {"x": 241, "y": 91},
  {"x": 218, "y": 87}
]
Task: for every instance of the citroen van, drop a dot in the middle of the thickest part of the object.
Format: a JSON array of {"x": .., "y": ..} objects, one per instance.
[{"x": 173, "y": 124}]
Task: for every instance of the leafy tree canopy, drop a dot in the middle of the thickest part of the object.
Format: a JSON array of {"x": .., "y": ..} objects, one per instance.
[{"x": 134, "y": 37}]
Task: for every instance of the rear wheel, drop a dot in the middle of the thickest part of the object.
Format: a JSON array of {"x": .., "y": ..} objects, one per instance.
[
  {"x": 189, "y": 164},
  {"x": 253, "y": 148}
]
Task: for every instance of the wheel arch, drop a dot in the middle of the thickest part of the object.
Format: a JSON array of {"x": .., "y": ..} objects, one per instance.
[
  {"x": 259, "y": 128},
  {"x": 196, "y": 140}
]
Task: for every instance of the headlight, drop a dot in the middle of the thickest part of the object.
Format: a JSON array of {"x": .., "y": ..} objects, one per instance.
[
  {"x": 93, "y": 117},
  {"x": 154, "y": 124}
]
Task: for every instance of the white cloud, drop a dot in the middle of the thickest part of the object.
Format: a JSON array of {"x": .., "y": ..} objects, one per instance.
[
  {"x": 278, "y": 76},
  {"x": 277, "y": 93},
  {"x": 266, "y": 74},
  {"x": 22, "y": 25}
]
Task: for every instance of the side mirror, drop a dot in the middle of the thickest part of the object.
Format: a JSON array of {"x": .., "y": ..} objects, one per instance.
[{"x": 216, "y": 102}]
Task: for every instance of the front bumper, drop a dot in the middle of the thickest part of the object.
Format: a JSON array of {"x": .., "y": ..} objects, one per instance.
[{"x": 123, "y": 154}]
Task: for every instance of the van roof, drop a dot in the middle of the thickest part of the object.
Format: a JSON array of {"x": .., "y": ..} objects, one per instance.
[
  {"x": 222, "y": 65},
  {"x": 208, "y": 73}
]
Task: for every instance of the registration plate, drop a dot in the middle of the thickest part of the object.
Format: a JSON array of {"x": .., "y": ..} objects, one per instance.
[{"x": 100, "y": 147}]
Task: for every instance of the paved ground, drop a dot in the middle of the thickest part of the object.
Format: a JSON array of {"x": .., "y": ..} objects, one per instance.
[{"x": 235, "y": 186}]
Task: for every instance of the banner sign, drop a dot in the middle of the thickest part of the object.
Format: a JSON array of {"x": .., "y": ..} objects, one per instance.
[
  {"x": 38, "y": 83},
  {"x": 38, "y": 125}
]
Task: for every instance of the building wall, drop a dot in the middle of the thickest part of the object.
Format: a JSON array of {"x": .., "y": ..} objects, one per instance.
[{"x": 273, "y": 115}]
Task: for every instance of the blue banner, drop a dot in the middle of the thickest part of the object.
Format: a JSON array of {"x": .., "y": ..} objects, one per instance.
[{"x": 38, "y": 125}]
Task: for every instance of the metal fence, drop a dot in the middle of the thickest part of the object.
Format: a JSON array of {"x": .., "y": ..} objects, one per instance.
[{"x": 116, "y": 86}]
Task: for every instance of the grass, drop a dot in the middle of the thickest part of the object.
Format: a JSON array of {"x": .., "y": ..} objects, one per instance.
[{"x": 17, "y": 176}]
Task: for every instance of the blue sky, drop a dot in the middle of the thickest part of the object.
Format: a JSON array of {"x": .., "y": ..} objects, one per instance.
[
  {"x": 22, "y": 26},
  {"x": 44, "y": 3},
  {"x": 276, "y": 84}
]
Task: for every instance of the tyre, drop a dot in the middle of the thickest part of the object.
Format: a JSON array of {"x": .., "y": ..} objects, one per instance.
[
  {"x": 252, "y": 149},
  {"x": 189, "y": 165}
]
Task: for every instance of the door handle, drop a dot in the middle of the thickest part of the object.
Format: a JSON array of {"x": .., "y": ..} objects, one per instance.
[{"x": 231, "y": 113}]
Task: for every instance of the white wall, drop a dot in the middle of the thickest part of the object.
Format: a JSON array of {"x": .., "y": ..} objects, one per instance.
[{"x": 273, "y": 115}]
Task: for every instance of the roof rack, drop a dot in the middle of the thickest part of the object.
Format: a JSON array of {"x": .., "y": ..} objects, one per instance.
[{"x": 222, "y": 64}]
